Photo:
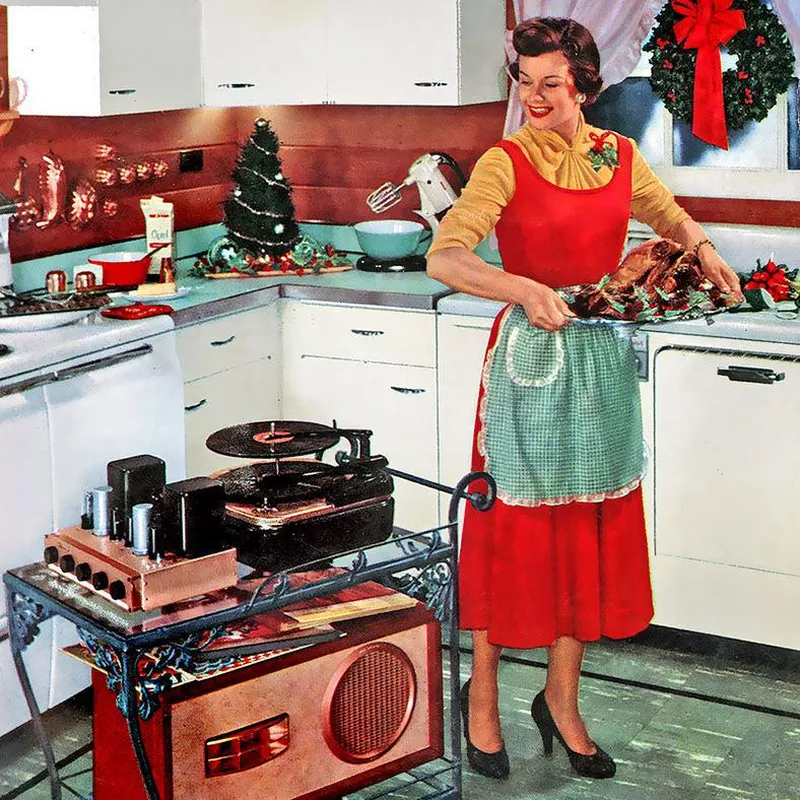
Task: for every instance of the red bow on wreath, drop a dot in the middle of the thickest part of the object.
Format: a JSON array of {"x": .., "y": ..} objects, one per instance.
[{"x": 706, "y": 25}]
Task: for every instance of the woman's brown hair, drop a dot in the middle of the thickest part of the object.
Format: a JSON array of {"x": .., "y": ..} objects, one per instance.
[{"x": 539, "y": 35}]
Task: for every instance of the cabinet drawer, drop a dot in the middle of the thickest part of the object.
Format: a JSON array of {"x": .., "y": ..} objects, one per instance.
[
  {"x": 360, "y": 334},
  {"x": 219, "y": 344},
  {"x": 233, "y": 397}
]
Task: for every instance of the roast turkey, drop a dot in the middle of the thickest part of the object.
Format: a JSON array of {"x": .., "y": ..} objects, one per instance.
[{"x": 656, "y": 280}]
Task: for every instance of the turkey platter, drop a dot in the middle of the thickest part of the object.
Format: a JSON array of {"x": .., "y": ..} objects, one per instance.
[{"x": 656, "y": 281}]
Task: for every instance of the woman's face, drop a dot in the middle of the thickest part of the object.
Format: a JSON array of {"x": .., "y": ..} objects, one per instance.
[{"x": 547, "y": 93}]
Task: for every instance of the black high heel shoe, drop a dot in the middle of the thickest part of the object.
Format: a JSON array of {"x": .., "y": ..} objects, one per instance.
[
  {"x": 597, "y": 765},
  {"x": 492, "y": 765}
]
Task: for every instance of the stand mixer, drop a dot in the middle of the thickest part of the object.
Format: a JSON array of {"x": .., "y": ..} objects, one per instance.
[{"x": 435, "y": 193}]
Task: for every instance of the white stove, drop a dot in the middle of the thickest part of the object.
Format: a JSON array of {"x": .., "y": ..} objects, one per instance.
[
  {"x": 36, "y": 349},
  {"x": 72, "y": 399}
]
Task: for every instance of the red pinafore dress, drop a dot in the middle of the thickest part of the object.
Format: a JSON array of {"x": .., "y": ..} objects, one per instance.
[{"x": 531, "y": 574}]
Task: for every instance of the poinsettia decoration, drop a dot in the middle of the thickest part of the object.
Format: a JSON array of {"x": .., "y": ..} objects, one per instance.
[{"x": 777, "y": 279}]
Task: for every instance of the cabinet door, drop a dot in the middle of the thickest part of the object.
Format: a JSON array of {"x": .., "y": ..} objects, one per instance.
[
  {"x": 461, "y": 349},
  {"x": 107, "y": 58},
  {"x": 259, "y": 53},
  {"x": 248, "y": 393},
  {"x": 228, "y": 342},
  {"x": 397, "y": 403},
  {"x": 140, "y": 44},
  {"x": 394, "y": 53},
  {"x": 726, "y": 544}
]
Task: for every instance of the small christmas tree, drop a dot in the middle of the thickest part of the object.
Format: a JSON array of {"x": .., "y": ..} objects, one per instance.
[{"x": 259, "y": 212}]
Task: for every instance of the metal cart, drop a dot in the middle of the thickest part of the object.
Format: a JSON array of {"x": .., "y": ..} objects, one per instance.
[{"x": 422, "y": 564}]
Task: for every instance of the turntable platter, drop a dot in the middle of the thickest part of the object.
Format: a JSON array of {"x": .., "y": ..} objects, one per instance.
[{"x": 273, "y": 439}]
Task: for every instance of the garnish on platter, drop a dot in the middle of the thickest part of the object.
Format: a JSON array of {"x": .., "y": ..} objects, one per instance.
[
  {"x": 777, "y": 279},
  {"x": 658, "y": 281}
]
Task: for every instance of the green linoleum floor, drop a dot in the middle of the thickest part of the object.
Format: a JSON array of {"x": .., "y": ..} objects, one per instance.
[{"x": 681, "y": 726}]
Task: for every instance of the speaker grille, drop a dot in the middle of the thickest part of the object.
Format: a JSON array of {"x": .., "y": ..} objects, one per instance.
[{"x": 371, "y": 698}]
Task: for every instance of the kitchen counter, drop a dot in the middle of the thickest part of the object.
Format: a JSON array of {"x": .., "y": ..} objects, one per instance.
[
  {"x": 761, "y": 326},
  {"x": 212, "y": 297}
]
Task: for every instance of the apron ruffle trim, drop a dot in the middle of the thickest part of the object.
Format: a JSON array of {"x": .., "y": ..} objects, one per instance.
[{"x": 481, "y": 443}]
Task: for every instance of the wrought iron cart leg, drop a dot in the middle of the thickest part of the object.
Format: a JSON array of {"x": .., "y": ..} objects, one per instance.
[
  {"x": 24, "y": 618},
  {"x": 130, "y": 710}
]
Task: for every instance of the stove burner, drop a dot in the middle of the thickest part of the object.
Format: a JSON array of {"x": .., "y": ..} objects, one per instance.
[{"x": 407, "y": 264}]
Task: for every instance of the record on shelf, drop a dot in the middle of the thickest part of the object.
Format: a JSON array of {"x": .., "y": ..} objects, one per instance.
[
  {"x": 250, "y": 483},
  {"x": 273, "y": 439}
]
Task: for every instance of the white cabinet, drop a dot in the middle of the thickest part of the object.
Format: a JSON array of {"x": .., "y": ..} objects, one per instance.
[
  {"x": 99, "y": 57},
  {"x": 726, "y": 556},
  {"x": 375, "y": 369},
  {"x": 258, "y": 53},
  {"x": 418, "y": 52},
  {"x": 461, "y": 349},
  {"x": 231, "y": 369},
  {"x": 370, "y": 52}
]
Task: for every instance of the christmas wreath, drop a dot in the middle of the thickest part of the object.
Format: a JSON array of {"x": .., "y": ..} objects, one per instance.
[{"x": 686, "y": 69}]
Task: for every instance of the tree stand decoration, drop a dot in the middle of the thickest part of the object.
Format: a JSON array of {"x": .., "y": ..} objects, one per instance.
[
  {"x": 263, "y": 237},
  {"x": 686, "y": 67}
]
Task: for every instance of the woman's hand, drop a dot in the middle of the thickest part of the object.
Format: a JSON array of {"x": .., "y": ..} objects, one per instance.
[
  {"x": 719, "y": 273},
  {"x": 544, "y": 308}
]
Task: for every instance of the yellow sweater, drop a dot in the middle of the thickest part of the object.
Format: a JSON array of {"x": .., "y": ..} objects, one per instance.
[{"x": 492, "y": 183}]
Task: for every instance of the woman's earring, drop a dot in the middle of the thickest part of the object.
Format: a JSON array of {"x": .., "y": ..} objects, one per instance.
[{"x": 580, "y": 98}]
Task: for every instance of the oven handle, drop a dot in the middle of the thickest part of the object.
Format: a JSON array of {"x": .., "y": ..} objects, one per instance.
[
  {"x": 102, "y": 363},
  {"x": 73, "y": 372},
  {"x": 750, "y": 374},
  {"x": 29, "y": 383}
]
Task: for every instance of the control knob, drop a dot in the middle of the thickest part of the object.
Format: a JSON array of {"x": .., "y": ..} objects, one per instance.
[
  {"x": 50, "y": 555},
  {"x": 83, "y": 571},
  {"x": 117, "y": 590},
  {"x": 67, "y": 563},
  {"x": 100, "y": 581}
]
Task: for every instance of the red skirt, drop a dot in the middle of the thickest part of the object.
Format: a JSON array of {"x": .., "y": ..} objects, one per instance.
[{"x": 530, "y": 575}]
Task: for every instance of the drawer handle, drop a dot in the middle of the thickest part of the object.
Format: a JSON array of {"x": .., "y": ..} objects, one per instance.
[
  {"x": 361, "y": 332},
  {"x": 430, "y": 84},
  {"x": 197, "y": 405},
  {"x": 221, "y": 342},
  {"x": 235, "y": 85},
  {"x": 407, "y": 390},
  {"x": 122, "y": 91},
  {"x": 751, "y": 374}
]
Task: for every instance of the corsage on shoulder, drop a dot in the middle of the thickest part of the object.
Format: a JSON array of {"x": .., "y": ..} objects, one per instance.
[{"x": 602, "y": 153}]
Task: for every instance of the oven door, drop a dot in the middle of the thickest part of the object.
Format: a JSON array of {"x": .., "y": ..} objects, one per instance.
[{"x": 120, "y": 402}]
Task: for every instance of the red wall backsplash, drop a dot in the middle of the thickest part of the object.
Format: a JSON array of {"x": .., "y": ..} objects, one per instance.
[{"x": 332, "y": 156}]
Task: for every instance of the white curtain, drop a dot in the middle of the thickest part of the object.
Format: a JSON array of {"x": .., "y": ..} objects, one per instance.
[
  {"x": 619, "y": 35},
  {"x": 789, "y": 13}
]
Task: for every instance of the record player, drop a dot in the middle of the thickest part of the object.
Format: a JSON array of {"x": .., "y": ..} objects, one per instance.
[{"x": 292, "y": 507}]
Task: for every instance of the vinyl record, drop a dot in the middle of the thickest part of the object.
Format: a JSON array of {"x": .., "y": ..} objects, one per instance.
[
  {"x": 247, "y": 484},
  {"x": 272, "y": 439}
]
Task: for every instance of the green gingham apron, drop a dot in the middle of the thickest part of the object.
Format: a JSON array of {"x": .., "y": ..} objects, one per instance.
[{"x": 561, "y": 415}]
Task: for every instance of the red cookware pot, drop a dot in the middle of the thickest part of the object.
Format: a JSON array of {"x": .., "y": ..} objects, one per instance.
[{"x": 122, "y": 269}]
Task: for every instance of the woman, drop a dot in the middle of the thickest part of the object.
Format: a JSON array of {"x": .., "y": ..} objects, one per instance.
[{"x": 561, "y": 558}]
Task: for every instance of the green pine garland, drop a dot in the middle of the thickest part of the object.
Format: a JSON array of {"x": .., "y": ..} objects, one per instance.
[{"x": 764, "y": 70}]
